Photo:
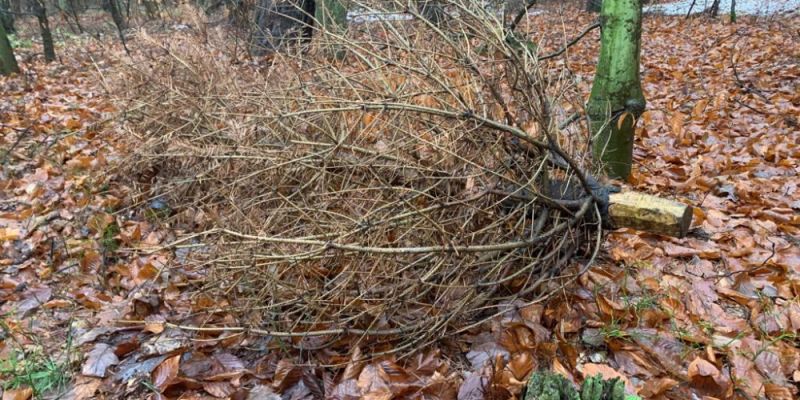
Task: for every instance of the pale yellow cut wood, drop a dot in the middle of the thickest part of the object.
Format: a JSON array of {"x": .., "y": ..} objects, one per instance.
[{"x": 649, "y": 213}]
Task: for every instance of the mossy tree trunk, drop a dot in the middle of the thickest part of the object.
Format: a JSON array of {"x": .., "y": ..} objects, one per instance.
[
  {"x": 40, "y": 10},
  {"x": 616, "y": 101},
  {"x": 6, "y": 16},
  {"x": 8, "y": 64}
]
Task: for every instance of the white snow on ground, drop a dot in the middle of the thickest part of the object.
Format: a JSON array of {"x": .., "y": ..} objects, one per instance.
[
  {"x": 749, "y": 7},
  {"x": 359, "y": 16}
]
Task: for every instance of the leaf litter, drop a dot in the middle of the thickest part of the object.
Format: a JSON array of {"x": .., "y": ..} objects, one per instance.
[{"x": 715, "y": 314}]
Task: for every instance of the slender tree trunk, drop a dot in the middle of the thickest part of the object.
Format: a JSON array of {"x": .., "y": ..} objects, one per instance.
[
  {"x": 616, "y": 101},
  {"x": 40, "y": 10},
  {"x": 119, "y": 22},
  {"x": 691, "y": 7},
  {"x": 714, "y": 10},
  {"x": 151, "y": 9},
  {"x": 65, "y": 15},
  {"x": 594, "y": 5},
  {"x": 733, "y": 11},
  {"x": 74, "y": 12},
  {"x": 8, "y": 64},
  {"x": 6, "y": 17}
]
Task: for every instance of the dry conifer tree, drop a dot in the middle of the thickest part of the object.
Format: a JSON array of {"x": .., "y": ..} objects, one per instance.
[{"x": 426, "y": 177}]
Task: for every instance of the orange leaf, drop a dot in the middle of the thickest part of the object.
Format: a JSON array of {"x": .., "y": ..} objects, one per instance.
[
  {"x": 18, "y": 394},
  {"x": 154, "y": 323},
  {"x": 166, "y": 372},
  {"x": 218, "y": 389},
  {"x": 8, "y": 234},
  {"x": 521, "y": 364},
  {"x": 777, "y": 392},
  {"x": 676, "y": 123}
]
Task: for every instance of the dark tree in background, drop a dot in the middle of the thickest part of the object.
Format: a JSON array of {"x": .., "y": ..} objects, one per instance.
[
  {"x": 594, "y": 5},
  {"x": 40, "y": 10},
  {"x": 6, "y": 16},
  {"x": 119, "y": 21},
  {"x": 714, "y": 9},
  {"x": 8, "y": 64},
  {"x": 72, "y": 10}
]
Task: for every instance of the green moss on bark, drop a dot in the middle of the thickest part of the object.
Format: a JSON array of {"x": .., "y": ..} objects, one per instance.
[
  {"x": 8, "y": 64},
  {"x": 616, "y": 101}
]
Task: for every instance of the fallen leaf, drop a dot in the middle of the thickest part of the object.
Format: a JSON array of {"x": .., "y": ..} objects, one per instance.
[
  {"x": 218, "y": 389},
  {"x": 166, "y": 372},
  {"x": 706, "y": 377},
  {"x": 83, "y": 388},
  {"x": 777, "y": 392},
  {"x": 99, "y": 359},
  {"x": 655, "y": 387},
  {"x": 18, "y": 394},
  {"x": 154, "y": 323}
]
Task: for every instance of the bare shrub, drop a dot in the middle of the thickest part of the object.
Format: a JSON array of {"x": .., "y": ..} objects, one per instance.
[{"x": 398, "y": 182}]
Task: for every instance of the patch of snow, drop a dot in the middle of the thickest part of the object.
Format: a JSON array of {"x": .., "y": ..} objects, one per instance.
[
  {"x": 748, "y": 7},
  {"x": 359, "y": 17}
]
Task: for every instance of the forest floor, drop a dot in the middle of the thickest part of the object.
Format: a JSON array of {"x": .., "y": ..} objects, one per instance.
[{"x": 716, "y": 314}]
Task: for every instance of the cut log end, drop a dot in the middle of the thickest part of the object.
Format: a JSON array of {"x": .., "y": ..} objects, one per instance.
[{"x": 649, "y": 213}]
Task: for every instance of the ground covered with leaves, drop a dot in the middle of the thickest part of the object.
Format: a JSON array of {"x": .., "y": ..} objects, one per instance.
[{"x": 93, "y": 301}]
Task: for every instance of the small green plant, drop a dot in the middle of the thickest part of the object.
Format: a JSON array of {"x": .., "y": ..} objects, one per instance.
[
  {"x": 35, "y": 370},
  {"x": 551, "y": 386},
  {"x": 33, "y": 367},
  {"x": 109, "y": 240},
  {"x": 647, "y": 301},
  {"x": 706, "y": 326},
  {"x": 19, "y": 43},
  {"x": 614, "y": 330}
]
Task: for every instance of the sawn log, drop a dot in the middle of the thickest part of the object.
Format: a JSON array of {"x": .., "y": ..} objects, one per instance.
[{"x": 649, "y": 213}]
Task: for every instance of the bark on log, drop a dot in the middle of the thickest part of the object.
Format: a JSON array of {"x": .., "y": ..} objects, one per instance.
[{"x": 649, "y": 213}]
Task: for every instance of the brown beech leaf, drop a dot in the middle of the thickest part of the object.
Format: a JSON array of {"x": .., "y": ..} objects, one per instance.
[
  {"x": 707, "y": 377},
  {"x": 777, "y": 392},
  {"x": 521, "y": 364},
  {"x": 154, "y": 323},
  {"x": 83, "y": 388},
  {"x": 229, "y": 361},
  {"x": 354, "y": 366},
  {"x": 99, "y": 359},
  {"x": 286, "y": 375},
  {"x": 219, "y": 389},
  {"x": 24, "y": 393},
  {"x": 655, "y": 387},
  {"x": 166, "y": 372}
]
